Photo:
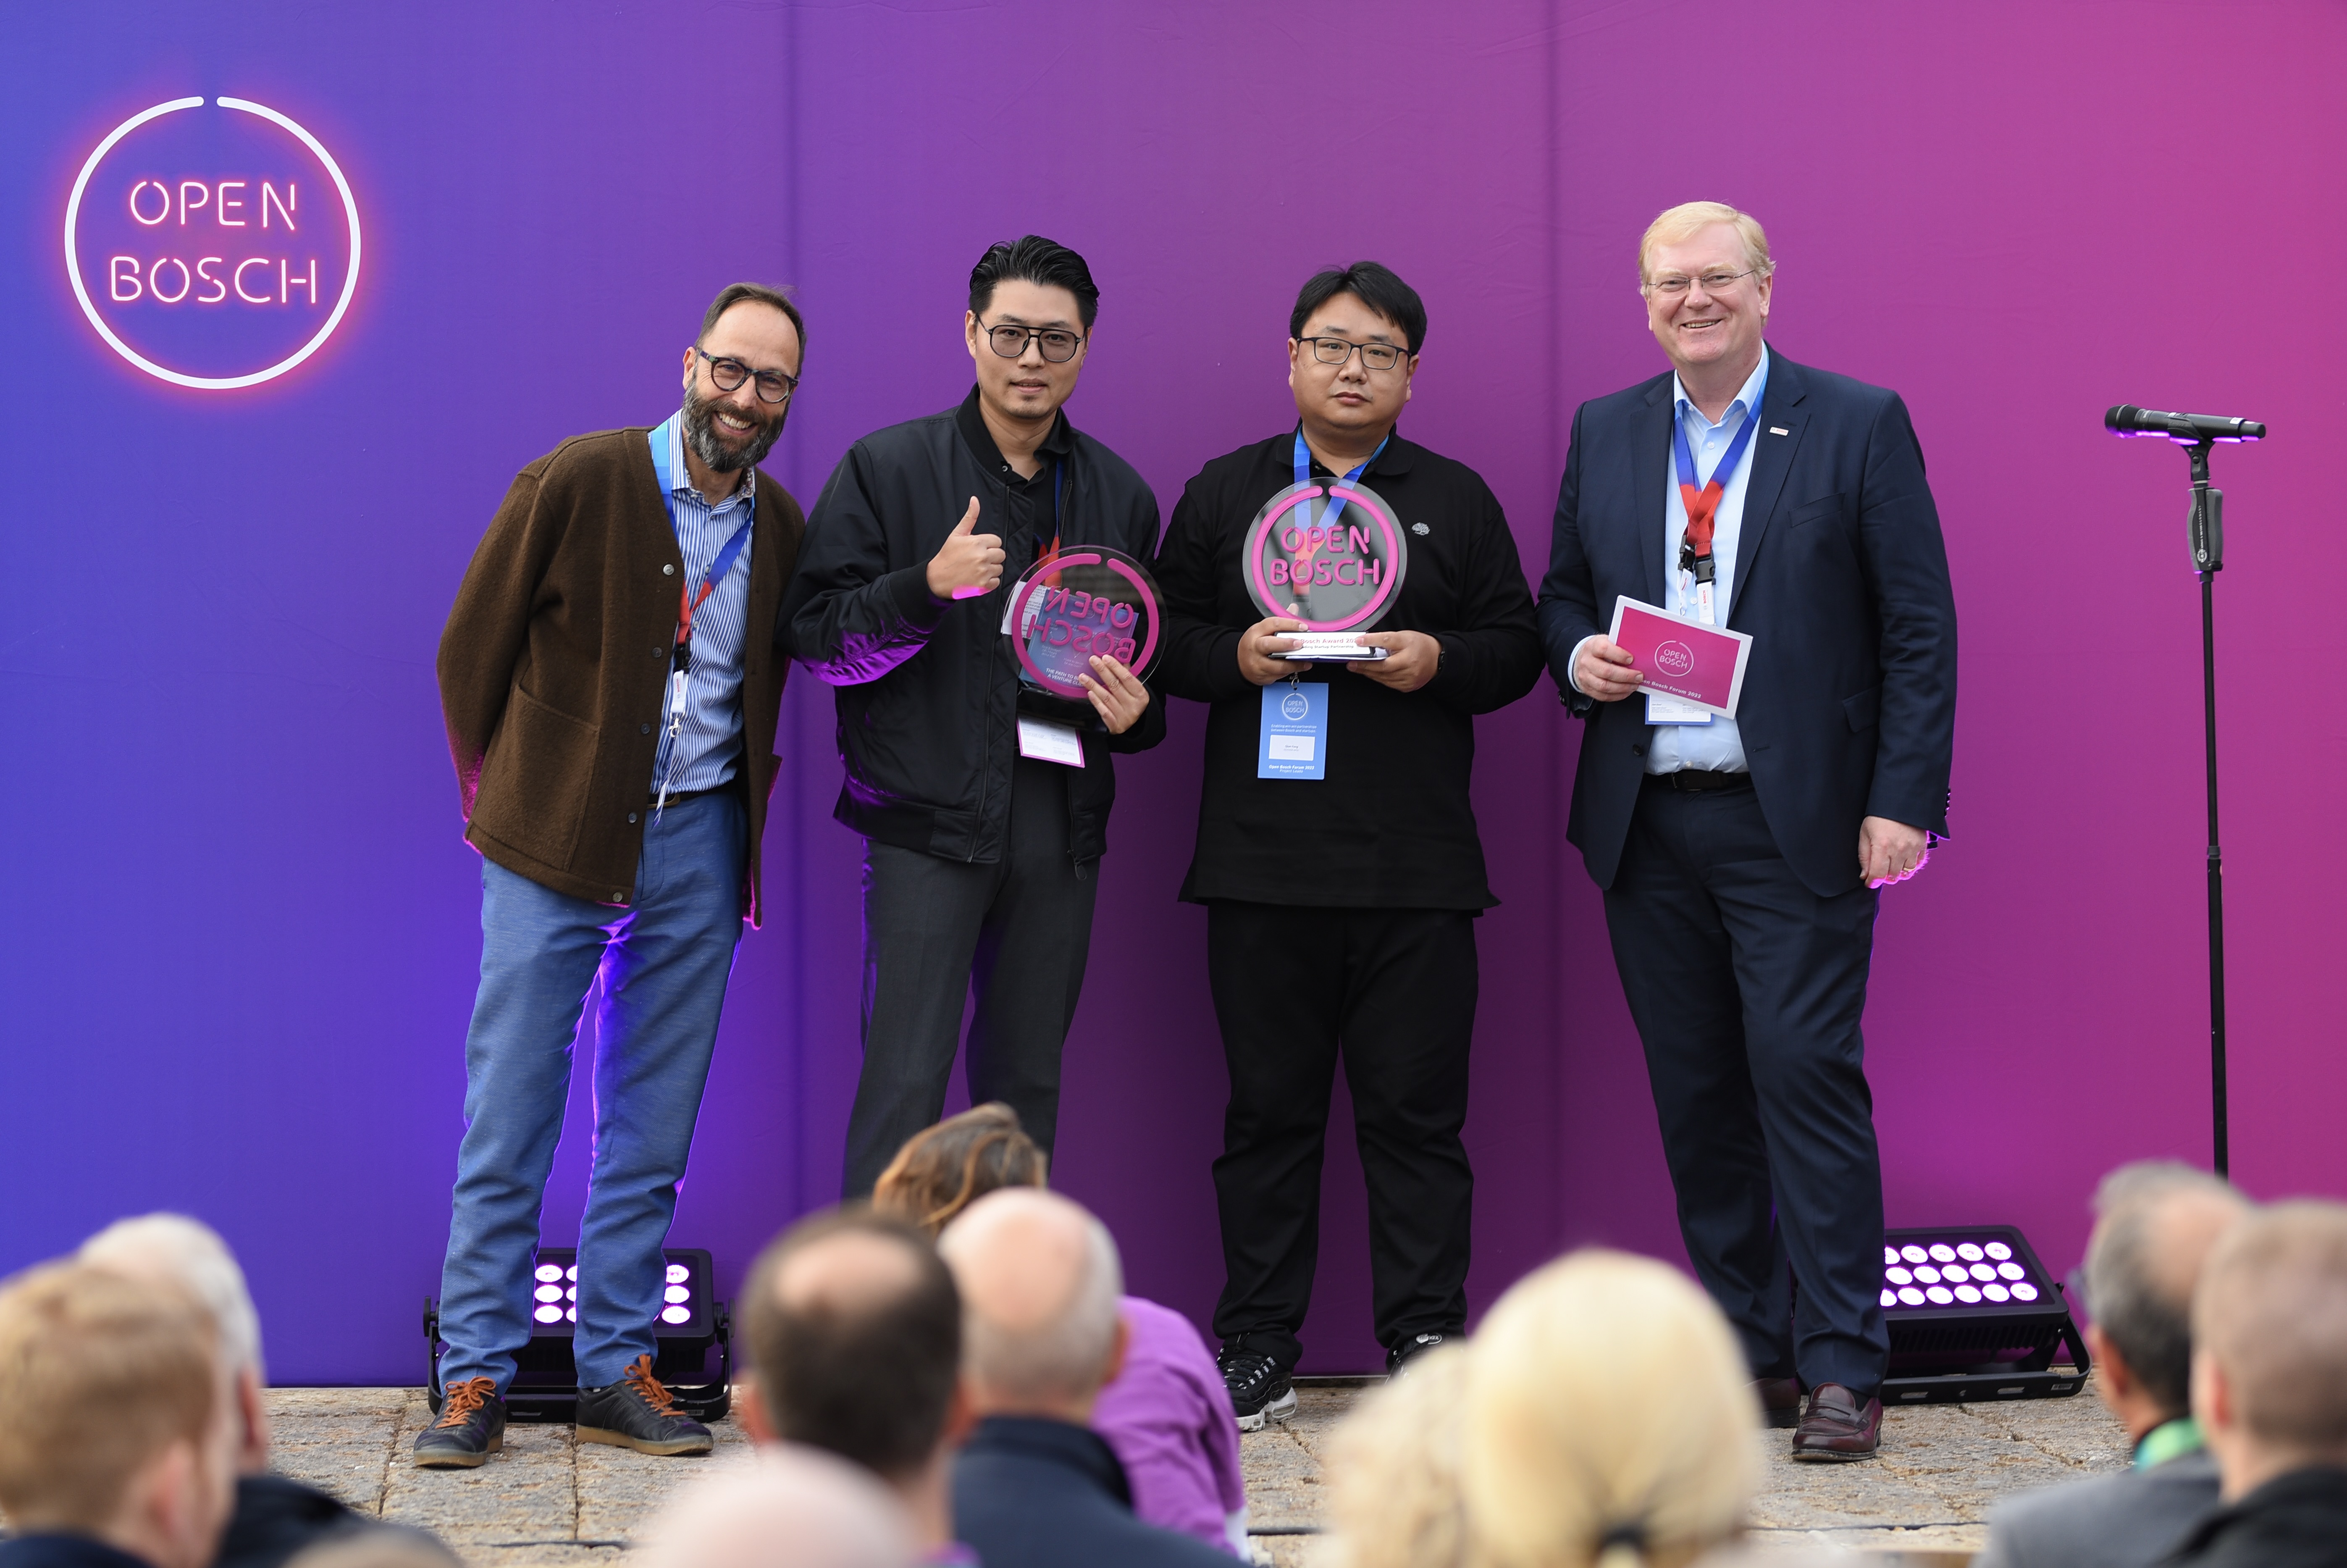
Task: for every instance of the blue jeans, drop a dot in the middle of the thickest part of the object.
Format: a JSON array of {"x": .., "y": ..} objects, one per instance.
[{"x": 664, "y": 961}]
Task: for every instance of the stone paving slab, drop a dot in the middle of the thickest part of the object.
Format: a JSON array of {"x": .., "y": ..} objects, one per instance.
[{"x": 548, "y": 1502}]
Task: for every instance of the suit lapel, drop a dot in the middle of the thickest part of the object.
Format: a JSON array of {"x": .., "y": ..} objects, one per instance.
[
  {"x": 1651, "y": 453},
  {"x": 1772, "y": 459}
]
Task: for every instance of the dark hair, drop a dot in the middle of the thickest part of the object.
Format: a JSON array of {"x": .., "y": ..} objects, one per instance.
[
  {"x": 872, "y": 1382},
  {"x": 942, "y": 1170},
  {"x": 1375, "y": 287},
  {"x": 1031, "y": 258},
  {"x": 732, "y": 294}
]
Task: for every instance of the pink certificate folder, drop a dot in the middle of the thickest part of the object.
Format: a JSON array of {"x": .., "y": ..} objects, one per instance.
[{"x": 1683, "y": 658}]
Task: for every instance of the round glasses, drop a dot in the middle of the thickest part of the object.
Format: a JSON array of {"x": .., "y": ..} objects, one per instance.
[
  {"x": 1337, "y": 350},
  {"x": 729, "y": 375},
  {"x": 1057, "y": 343},
  {"x": 1713, "y": 282}
]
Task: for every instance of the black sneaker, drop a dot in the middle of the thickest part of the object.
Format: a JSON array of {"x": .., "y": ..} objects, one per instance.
[
  {"x": 1399, "y": 1359},
  {"x": 1259, "y": 1386},
  {"x": 472, "y": 1426},
  {"x": 637, "y": 1412}
]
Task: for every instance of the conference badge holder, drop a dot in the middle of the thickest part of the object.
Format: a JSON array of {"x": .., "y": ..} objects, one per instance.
[{"x": 1076, "y": 604}]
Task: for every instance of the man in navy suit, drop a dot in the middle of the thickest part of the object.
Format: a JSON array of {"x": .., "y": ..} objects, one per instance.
[{"x": 1741, "y": 856}]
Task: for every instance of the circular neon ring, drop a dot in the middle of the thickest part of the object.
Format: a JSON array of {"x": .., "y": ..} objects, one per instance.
[
  {"x": 180, "y": 378},
  {"x": 1035, "y": 577},
  {"x": 1262, "y": 531}
]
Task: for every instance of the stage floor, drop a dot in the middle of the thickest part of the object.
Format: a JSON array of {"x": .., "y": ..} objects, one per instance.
[{"x": 549, "y": 1501}]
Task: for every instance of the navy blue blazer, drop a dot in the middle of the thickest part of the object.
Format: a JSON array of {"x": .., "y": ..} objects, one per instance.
[{"x": 1849, "y": 707}]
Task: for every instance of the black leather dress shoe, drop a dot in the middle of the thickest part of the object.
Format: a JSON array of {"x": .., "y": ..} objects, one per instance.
[
  {"x": 1838, "y": 1425},
  {"x": 1781, "y": 1400},
  {"x": 637, "y": 1412},
  {"x": 472, "y": 1426}
]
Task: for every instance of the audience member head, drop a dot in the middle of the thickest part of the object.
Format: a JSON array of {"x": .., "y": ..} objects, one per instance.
[
  {"x": 854, "y": 1333},
  {"x": 112, "y": 1422},
  {"x": 1393, "y": 1471},
  {"x": 191, "y": 1254},
  {"x": 943, "y": 1169},
  {"x": 785, "y": 1507},
  {"x": 2269, "y": 1334},
  {"x": 1608, "y": 1419},
  {"x": 376, "y": 1546},
  {"x": 1040, "y": 1287},
  {"x": 2155, "y": 1222}
]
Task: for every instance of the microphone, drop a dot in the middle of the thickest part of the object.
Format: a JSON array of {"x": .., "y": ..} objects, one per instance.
[{"x": 2127, "y": 419}]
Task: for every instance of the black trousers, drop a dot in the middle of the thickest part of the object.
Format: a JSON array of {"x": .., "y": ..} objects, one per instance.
[
  {"x": 1393, "y": 993},
  {"x": 1012, "y": 936},
  {"x": 1747, "y": 988}
]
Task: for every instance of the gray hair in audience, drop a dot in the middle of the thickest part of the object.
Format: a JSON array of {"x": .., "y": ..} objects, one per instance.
[
  {"x": 1063, "y": 1354},
  {"x": 785, "y": 1506},
  {"x": 2272, "y": 1312},
  {"x": 190, "y": 1252},
  {"x": 2133, "y": 1290},
  {"x": 376, "y": 1546}
]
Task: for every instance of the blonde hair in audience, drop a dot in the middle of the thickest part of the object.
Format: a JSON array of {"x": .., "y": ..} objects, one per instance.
[
  {"x": 2272, "y": 1312},
  {"x": 1678, "y": 225},
  {"x": 942, "y": 1170},
  {"x": 1609, "y": 1419},
  {"x": 98, "y": 1374},
  {"x": 1393, "y": 1471}
]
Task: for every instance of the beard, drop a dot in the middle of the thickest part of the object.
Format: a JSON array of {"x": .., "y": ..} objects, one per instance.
[{"x": 720, "y": 448}]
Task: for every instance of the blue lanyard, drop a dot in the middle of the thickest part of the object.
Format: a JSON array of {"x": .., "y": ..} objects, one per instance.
[
  {"x": 1335, "y": 506},
  {"x": 687, "y": 600},
  {"x": 1702, "y": 501}
]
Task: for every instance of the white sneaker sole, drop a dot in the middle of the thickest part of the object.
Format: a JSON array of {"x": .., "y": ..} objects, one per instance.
[{"x": 1279, "y": 1410}]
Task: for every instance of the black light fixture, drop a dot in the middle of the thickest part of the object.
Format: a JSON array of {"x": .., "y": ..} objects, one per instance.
[
  {"x": 691, "y": 1322},
  {"x": 1974, "y": 1316}
]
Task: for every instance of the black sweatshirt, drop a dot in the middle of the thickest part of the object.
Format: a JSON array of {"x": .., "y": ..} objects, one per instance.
[{"x": 1390, "y": 827}]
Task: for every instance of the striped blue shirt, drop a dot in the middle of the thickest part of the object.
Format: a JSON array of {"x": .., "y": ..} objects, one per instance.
[{"x": 705, "y": 749}]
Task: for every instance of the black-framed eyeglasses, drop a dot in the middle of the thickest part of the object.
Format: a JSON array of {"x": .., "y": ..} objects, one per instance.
[
  {"x": 1713, "y": 282},
  {"x": 1374, "y": 355},
  {"x": 1057, "y": 344},
  {"x": 729, "y": 373}
]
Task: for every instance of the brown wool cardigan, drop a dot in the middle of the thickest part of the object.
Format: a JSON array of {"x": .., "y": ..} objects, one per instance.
[{"x": 555, "y": 659}]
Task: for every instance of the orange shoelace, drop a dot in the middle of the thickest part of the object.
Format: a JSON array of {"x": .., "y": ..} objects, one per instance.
[
  {"x": 464, "y": 1398},
  {"x": 657, "y": 1395}
]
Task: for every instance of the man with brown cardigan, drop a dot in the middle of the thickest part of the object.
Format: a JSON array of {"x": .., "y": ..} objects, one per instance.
[{"x": 610, "y": 679}]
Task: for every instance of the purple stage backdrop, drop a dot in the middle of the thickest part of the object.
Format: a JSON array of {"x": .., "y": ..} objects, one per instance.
[{"x": 242, "y": 930}]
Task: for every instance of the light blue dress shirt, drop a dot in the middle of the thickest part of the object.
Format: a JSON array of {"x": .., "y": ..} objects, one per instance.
[
  {"x": 709, "y": 742},
  {"x": 1716, "y": 745}
]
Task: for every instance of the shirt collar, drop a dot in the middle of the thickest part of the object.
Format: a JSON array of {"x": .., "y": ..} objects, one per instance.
[
  {"x": 1057, "y": 445},
  {"x": 2167, "y": 1440},
  {"x": 1746, "y": 396}
]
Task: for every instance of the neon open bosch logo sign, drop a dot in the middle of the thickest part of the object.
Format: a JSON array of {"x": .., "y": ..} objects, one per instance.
[{"x": 212, "y": 244}]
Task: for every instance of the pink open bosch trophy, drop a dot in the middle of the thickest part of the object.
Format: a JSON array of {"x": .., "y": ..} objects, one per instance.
[
  {"x": 1080, "y": 602},
  {"x": 1332, "y": 555}
]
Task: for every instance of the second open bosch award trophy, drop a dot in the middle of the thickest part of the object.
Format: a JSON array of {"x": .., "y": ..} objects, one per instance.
[
  {"x": 1080, "y": 602},
  {"x": 1331, "y": 554}
]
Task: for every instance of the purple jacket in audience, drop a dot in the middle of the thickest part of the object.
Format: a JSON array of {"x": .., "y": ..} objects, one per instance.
[{"x": 1168, "y": 1417}]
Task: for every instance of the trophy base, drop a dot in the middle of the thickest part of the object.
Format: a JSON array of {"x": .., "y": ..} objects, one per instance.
[{"x": 1330, "y": 648}]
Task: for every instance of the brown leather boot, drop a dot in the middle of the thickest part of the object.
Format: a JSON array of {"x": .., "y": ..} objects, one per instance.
[
  {"x": 1838, "y": 1425},
  {"x": 1781, "y": 1400}
]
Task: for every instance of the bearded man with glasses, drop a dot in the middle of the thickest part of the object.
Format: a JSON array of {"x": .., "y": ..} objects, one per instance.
[
  {"x": 1341, "y": 907},
  {"x": 611, "y": 676},
  {"x": 983, "y": 823},
  {"x": 1741, "y": 856}
]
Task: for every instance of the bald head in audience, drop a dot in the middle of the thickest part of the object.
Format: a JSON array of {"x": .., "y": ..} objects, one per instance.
[
  {"x": 2156, "y": 1221},
  {"x": 787, "y": 1507},
  {"x": 1040, "y": 1282},
  {"x": 173, "y": 1248},
  {"x": 2269, "y": 1330}
]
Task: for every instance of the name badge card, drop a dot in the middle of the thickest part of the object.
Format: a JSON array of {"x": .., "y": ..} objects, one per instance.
[
  {"x": 1294, "y": 743},
  {"x": 1049, "y": 743},
  {"x": 1700, "y": 665},
  {"x": 1331, "y": 554}
]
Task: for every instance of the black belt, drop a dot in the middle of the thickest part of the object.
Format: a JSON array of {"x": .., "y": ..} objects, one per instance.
[
  {"x": 679, "y": 797},
  {"x": 1689, "y": 781}
]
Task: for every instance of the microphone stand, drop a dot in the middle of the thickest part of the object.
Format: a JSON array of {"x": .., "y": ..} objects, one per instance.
[{"x": 2208, "y": 560}]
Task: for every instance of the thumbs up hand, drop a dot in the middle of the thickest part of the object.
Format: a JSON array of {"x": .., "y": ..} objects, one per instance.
[{"x": 968, "y": 564}]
